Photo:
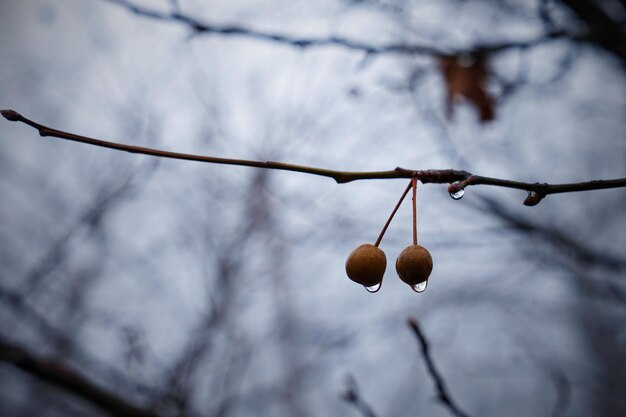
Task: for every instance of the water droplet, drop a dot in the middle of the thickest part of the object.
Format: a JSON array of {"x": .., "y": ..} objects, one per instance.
[
  {"x": 421, "y": 287},
  {"x": 458, "y": 195},
  {"x": 374, "y": 288}
]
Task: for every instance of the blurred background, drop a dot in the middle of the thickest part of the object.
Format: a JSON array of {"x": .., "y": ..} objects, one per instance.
[{"x": 181, "y": 288}]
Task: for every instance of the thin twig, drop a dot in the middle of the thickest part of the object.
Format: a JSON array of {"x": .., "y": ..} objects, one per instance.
[
  {"x": 459, "y": 179},
  {"x": 605, "y": 33},
  {"x": 558, "y": 238},
  {"x": 604, "y": 30},
  {"x": 60, "y": 375},
  {"x": 352, "y": 396},
  {"x": 440, "y": 385},
  {"x": 200, "y": 27},
  {"x": 563, "y": 394},
  {"x": 393, "y": 213}
]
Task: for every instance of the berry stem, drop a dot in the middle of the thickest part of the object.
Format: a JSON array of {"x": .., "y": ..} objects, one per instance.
[
  {"x": 414, "y": 186},
  {"x": 382, "y": 232}
]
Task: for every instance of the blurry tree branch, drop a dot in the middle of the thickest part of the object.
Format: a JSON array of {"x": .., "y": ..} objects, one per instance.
[
  {"x": 201, "y": 27},
  {"x": 57, "y": 374},
  {"x": 553, "y": 236},
  {"x": 110, "y": 196},
  {"x": 458, "y": 179},
  {"x": 187, "y": 364},
  {"x": 353, "y": 397},
  {"x": 57, "y": 333},
  {"x": 564, "y": 394},
  {"x": 440, "y": 385},
  {"x": 603, "y": 31}
]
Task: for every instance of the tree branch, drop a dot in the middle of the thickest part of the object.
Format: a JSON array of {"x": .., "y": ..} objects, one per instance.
[
  {"x": 440, "y": 385},
  {"x": 352, "y": 396},
  {"x": 563, "y": 394},
  {"x": 57, "y": 374},
  {"x": 561, "y": 241},
  {"x": 603, "y": 31},
  {"x": 458, "y": 179},
  {"x": 201, "y": 27}
]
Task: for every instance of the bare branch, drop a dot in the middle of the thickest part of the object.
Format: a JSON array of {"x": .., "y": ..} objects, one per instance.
[
  {"x": 544, "y": 14},
  {"x": 352, "y": 396},
  {"x": 111, "y": 195},
  {"x": 55, "y": 333},
  {"x": 553, "y": 236},
  {"x": 60, "y": 375},
  {"x": 440, "y": 385},
  {"x": 458, "y": 179},
  {"x": 603, "y": 31},
  {"x": 200, "y": 27},
  {"x": 563, "y": 394}
]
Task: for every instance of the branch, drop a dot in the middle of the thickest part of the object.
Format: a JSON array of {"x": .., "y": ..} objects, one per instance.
[
  {"x": 559, "y": 239},
  {"x": 352, "y": 396},
  {"x": 563, "y": 394},
  {"x": 458, "y": 179},
  {"x": 604, "y": 31},
  {"x": 440, "y": 385},
  {"x": 537, "y": 191},
  {"x": 200, "y": 27},
  {"x": 59, "y": 375}
]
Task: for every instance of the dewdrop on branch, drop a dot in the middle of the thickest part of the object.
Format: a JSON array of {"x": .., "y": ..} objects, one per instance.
[
  {"x": 457, "y": 195},
  {"x": 456, "y": 190}
]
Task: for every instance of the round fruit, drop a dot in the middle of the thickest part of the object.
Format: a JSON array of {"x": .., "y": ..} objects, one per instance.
[
  {"x": 414, "y": 265},
  {"x": 366, "y": 265}
]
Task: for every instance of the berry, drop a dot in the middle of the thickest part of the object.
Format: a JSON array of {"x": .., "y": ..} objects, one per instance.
[
  {"x": 414, "y": 265},
  {"x": 366, "y": 265}
]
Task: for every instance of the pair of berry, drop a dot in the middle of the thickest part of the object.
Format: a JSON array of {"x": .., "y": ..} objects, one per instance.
[{"x": 366, "y": 265}]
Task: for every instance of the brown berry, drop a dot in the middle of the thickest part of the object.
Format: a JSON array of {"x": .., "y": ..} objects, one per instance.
[
  {"x": 414, "y": 265},
  {"x": 366, "y": 265}
]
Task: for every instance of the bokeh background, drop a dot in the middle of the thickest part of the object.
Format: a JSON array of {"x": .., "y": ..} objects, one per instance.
[{"x": 212, "y": 290}]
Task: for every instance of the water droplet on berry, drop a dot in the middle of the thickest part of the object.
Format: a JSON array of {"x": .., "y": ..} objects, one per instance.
[
  {"x": 421, "y": 287},
  {"x": 373, "y": 288}
]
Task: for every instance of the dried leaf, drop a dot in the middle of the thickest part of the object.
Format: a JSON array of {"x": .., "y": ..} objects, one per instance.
[{"x": 466, "y": 76}]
